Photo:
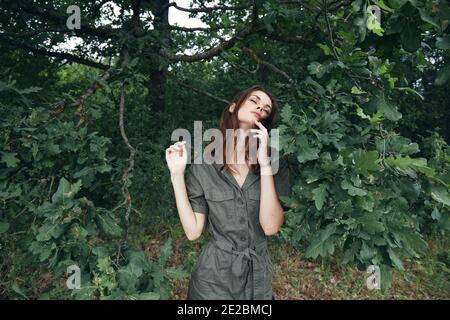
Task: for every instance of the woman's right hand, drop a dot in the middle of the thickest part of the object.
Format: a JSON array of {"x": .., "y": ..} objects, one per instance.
[{"x": 176, "y": 157}]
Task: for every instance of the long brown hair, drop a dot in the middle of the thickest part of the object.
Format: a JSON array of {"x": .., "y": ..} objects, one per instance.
[{"x": 229, "y": 120}]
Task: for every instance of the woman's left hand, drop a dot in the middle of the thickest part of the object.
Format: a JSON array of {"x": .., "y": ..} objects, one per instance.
[{"x": 263, "y": 136}]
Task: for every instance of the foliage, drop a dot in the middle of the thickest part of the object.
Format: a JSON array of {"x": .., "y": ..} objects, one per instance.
[{"x": 364, "y": 124}]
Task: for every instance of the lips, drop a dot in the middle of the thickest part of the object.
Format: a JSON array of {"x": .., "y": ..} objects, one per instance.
[{"x": 257, "y": 115}]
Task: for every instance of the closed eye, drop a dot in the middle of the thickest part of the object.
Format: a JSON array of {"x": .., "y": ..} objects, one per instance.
[{"x": 267, "y": 110}]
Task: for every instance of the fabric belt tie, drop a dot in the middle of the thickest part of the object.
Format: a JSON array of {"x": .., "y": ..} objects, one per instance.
[{"x": 238, "y": 267}]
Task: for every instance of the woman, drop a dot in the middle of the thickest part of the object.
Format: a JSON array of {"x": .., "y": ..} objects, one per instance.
[{"x": 238, "y": 201}]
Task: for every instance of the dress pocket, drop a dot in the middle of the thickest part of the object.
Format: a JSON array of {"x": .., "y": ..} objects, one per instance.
[
  {"x": 254, "y": 194},
  {"x": 222, "y": 207},
  {"x": 219, "y": 195}
]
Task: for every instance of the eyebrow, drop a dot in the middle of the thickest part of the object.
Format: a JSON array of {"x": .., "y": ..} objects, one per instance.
[{"x": 260, "y": 100}]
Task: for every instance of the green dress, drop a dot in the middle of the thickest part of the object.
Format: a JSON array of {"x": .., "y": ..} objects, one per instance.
[{"x": 235, "y": 263}]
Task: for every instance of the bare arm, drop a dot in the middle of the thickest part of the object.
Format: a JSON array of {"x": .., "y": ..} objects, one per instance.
[
  {"x": 192, "y": 222},
  {"x": 271, "y": 213}
]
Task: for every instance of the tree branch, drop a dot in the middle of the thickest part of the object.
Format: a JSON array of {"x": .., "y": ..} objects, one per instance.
[
  {"x": 211, "y": 29},
  {"x": 60, "y": 19},
  {"x": 91, "y": 90},
  {"x": 238, "y": 67},
  {"x": 208, "y": 53},
  {"x": 201, "y": 91},
  {"x": 27, "y": 34},
  {"x": 125, "y": 176},
  {"x": 205, "y": 9},
  {"x": 268, "y": 64},
  {"x": 59, "y": 55}
]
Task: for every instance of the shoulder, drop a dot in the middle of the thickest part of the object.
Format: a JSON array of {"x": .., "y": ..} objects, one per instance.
[{"x": 198, "y": 166}]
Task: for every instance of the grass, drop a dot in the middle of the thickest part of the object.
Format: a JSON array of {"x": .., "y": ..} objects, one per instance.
[{"x": 297, "y": 278}]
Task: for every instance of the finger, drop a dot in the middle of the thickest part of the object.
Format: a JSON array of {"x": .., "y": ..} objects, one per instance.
[
  {"x": 179, "y": 148},
  {"x": 261, "y": 138},
  {"x": 259, "y": 124},
  {"x": 255, "y": 131},
  {"x": 176, "y": 145}
]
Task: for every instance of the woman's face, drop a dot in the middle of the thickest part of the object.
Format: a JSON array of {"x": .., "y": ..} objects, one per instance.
[{"x": 257, "y": 106}]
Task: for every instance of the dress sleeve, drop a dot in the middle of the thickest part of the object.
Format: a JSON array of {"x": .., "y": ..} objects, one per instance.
[{"x": 195, "y": 191}]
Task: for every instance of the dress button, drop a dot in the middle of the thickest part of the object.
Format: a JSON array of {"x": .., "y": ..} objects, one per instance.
[
  {"x": 240, "y": 201},
  {"x": 242, "y": 220},
  {"x": 242, "y": 238}
]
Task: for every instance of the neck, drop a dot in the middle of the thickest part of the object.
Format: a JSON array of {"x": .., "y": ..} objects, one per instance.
[{"x": 239, "y": 152}]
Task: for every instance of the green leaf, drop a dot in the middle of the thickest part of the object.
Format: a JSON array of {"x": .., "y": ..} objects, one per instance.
[
  {"x": 365, "y": 161},
  {"x": 408, "y": 89},
  {"x": 326, "y": 50},
  {"x": 315, "y": 68},
  {"x": 146, "y": 296},
  {"x": 443, "y": 76},
  {"x": 382, "y": 5},
  {"x": 411, "y": 37},
  {"x": 320, "y": 194},
  {"x": 443, "y": 43},
  {"x": 427, "y": 18},
  {"x": 108, "y": 225},
  {"x": 10, "y": 159},
  {"x": 367, "y": 202},
  {"x": 286, "y": 113},
  {"x": 176, "y": 273},
  {"x": 138, "y": 258},
  {"x": 4, "y": 226},
  {"x": 128, "y": 281},
  {"x": 386, "y": 277},
  {"x": 440, "y": 194},
  {"x": 353, "y": 191},
  {"x": 409, "y": 240},
  {"x": 436, "y": 215},
  {"x": 30, "y": 90},
  {"x": 370, "y": 222},
  {"x": 165, "y": 251},
  {"x": 356, "y": 90},
  {"x": 66, "y": 190},
  {"x": 306, "y": 153},
  {"x": 18, "y": 290},
  {"x": 83, "y": 172},
  {"x": 63, "y": 187},
  {"x": 395, "y": 259},
  {"x": 321, "y": 243},
  {"x": 49, "y": 230},
  {"x": 406, "y": 164},
  {"x": 388, "y": 109}
]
